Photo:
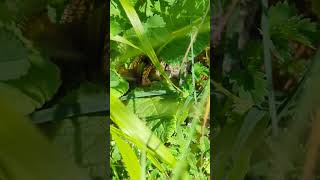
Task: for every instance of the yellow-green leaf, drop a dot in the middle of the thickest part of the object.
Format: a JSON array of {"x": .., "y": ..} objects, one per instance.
[{"x": 129, "y": 158}]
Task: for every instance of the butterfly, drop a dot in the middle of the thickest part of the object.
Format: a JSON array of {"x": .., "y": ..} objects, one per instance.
[{"x": 75, "y": 11}]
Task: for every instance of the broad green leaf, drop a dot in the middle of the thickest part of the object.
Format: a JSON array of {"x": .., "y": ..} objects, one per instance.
[
  {"x": 19, "y": 101},
  {"x": 40, "y": 83},
  {"x": 129, "y": 123},
  {"x": 82, "y": 139},
  {"x": 183, "y": 12},
  {"x": 158, "y": 112},
  {"x": 180, "y": 46},
  {"x": 33, "y": 157},
  {"x": 14, "y": 53},
  {"x": 280, "y": 13},
  {"x": 115, "y": 28},
  {"x": 155, "y": 21},
  {"x": 89, "y": 98},
  {"x": 129, "y": 158}
]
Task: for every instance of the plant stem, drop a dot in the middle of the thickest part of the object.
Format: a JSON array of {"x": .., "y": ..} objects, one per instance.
[{"x": 268, "y": 65}]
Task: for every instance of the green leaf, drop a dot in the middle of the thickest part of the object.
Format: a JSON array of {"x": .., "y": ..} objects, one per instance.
[
  {"x": 19, "y": 101},
  {"x": 23, "y": 68},
  {"x": 33, "y": 157},
  {"x": 236, "y": 142},
  {"x": 285, "y": 22},
  {"x": 115, "y": 28},
  {"x": 241, "y": 166},
  {"x": 52, "y": 14},
  {"x": 158, "y": 112},
  {"x": 280, "y": 13},
  {"x": 40, "y": 83},
  {"x": 151, "y": 156},
  {"x": 14, "y": 53},
  {"x": 82, "y": 139},
  {"x": 129, "y": 123},
  {"x": 123, "y": 40},
  {"x": 89, "y": 98},
  {"x": 129, "y": 158},
  {"x": 180, "y": 46},
  {"x": 155, "y": 21},
  {"x": 118, "y": 83}
]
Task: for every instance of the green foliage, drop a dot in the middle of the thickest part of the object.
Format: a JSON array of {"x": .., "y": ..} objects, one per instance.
[
  {"x": 13, "y": 63},
  {"x": 68, "y": 111},
  {"x": 245, "y": 147},
  {"x": 159, "y": 113},
  {"x": 160, "y": 30},
  {"x": 28, "y": 158},
  {"x": 285, "y": 24}
]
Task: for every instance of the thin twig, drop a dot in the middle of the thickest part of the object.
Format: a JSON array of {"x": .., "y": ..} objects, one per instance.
[{"x": 206, "y": 115}]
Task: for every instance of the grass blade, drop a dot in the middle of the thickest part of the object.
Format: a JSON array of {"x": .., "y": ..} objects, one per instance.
[
  {"x": 129, "y": 158},
  {"x": 123, "y": 40},
  {"x": 268, "y": 64}
]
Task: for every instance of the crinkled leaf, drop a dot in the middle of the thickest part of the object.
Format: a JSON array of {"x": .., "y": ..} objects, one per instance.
[
  {"x": 118, "y": 83},
  {"x": 158, "y": 112},
  {"x": 155, "y": 21},
  {"x": 284, "y": 21}
]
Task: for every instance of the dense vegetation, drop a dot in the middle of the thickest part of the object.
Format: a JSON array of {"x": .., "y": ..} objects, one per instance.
[
  {"x": 51, "y": 78},
  {"x": 266, "y": 67},
  {"x": 159, "y": 78}
]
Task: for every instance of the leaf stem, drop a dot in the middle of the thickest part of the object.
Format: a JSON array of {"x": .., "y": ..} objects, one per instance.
[{"x": 268, "y": 64}]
